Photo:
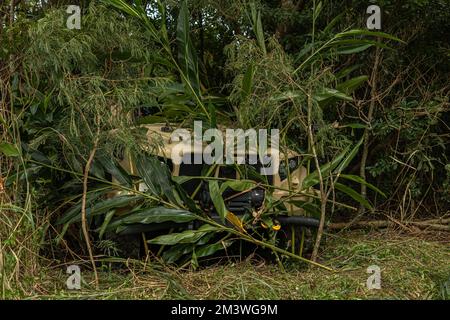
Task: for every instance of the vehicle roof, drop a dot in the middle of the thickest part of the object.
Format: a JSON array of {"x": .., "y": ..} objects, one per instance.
[{"x": 164, "y": 132}]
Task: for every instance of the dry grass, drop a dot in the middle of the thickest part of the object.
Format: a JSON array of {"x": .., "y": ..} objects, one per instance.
[{"x": 412, "y": 268}]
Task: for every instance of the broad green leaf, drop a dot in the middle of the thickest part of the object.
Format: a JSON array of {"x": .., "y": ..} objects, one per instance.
[
  {"x": 9, "y": 150},
  {"x": 187, "y": 200},
  {"x": 157, "y": 177},
  {"x": 307, "y": 49},
  {"x": 74, "y": 215},
  {"x": 157, "y": 215},
  {"x": 176, "y": 252},
  {"x": 177, "y": 107},
  {"x": 76, "y": 209},
  {"x": 115, "y": 170},
  {"x": 217, "y": 199},
  {"x": 310, "y": 207},
  {"x": 188, "y": 236},
  {"x": 148, "y": 167},
  {"x": 105, "y": 223},
  {"x": 210, "y": 249}
]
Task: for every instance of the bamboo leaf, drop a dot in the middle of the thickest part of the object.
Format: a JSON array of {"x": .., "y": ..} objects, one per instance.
[
  {"x": 360, "y": 180},
  {"x": 257, "y": 27},
  {"x": 186, "y": 52},
  {"x": 353, "y": 49},
  {"x": 313, "y": 177},
  {"x": 260, "y": 34},
  {"x": 136, "y": 11},
  {"x": 353, "y": 194},
  {"x": 342, "y": 43},
  {"x": 349, "y": 157},
  {"x": 317, "y": 10},
  {"x": 76, "y": 209},
  {"x": 360, "y": 32},
  {"x": 352, "y": 84}
]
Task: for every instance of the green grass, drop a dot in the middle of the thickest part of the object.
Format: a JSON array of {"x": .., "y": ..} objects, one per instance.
[{"x": 411, "y": 268}]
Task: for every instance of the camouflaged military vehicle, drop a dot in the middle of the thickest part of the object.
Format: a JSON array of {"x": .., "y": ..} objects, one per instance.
[{"x": 284, "y": 186}]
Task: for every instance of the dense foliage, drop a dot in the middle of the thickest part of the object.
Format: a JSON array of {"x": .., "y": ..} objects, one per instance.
[{"x": 368, "y": 108}]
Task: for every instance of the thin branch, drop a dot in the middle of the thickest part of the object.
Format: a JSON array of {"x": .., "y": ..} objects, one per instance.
[
  {"x": 83, "y": 206},
  {"x": 373, "y": 93}
]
